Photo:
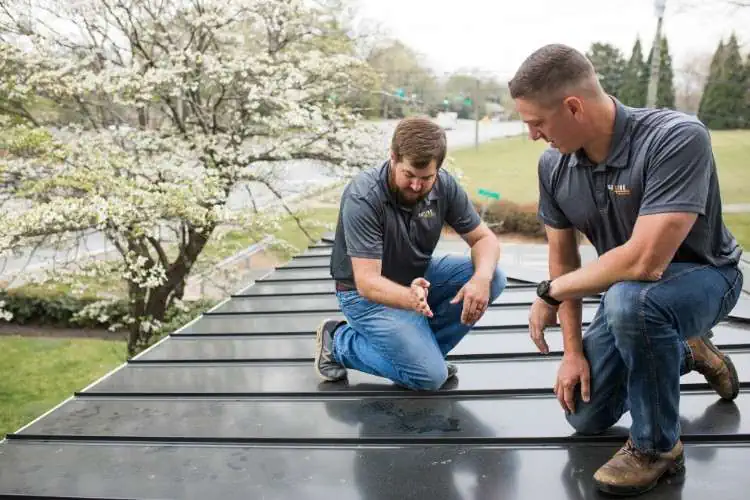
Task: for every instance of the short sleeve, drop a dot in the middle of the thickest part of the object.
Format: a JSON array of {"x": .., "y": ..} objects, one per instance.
[
  {"x": 363, "y": 230},
  {"x": 679, "y": 172},
  {"x": 549, "y": 212},
  {"x": 461, "y": 215}
]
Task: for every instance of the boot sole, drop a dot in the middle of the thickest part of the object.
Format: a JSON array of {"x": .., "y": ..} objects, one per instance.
[
  {"x": 677, "y": 470},
  {"x": 319, "y": 353}
]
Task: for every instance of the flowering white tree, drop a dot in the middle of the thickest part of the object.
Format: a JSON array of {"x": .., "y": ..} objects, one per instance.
[{"x": 179, "y": 103}]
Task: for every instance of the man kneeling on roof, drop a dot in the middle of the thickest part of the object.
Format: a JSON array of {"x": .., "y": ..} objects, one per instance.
[
  {"x": 642, "y": 185},
  {"x": 405, "y": 309}
]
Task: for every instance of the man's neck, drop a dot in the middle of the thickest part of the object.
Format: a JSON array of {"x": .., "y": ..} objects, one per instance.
[{"x": 602, "y": 130}]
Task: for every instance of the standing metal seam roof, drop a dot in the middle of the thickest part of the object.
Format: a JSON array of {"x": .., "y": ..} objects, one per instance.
[{"x": 229, "y": 407}]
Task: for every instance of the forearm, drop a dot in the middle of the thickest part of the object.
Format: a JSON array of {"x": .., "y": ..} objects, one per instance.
[
  {"x": 384, "y": 291},
  {"x": 619, "y": 264},
  {"x": 570, "y": 312},
  {"x": 485, "y": 254}
]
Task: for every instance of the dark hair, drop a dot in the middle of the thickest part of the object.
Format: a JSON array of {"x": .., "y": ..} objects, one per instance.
[
  {"x": 550, "y": 71},
  {"x": 419, "y": 140}
]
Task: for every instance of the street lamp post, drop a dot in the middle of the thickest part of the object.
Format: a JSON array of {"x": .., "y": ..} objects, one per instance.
[{"x": 653, "y": 81}]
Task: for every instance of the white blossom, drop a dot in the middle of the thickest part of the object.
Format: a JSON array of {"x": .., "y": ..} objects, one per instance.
[{"x": 180, "y": 103}]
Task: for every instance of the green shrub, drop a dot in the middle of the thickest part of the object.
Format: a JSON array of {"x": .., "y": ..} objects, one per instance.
[{"x": 39, "y": 306}]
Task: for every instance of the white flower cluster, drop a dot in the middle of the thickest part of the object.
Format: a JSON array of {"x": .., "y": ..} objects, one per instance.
[
  {"x": 179, "y": 103},
  {"x": 4, "y": 313}
]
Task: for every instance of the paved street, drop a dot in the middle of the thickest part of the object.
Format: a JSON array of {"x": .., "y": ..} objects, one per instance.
[{"x": 295, "y": 179}]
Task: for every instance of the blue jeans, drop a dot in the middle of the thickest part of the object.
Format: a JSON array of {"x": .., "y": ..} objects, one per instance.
[
  {"x": 637, "y": 349},
  {"x": 405, "y": 346}
]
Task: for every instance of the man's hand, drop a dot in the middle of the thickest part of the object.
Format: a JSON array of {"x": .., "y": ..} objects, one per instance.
[
  {"x": 573, "y": 369},
  {"x": 476, "y": 296},
  {"x": 419, "y": 303},
  {"x": 541, "y": 316}
]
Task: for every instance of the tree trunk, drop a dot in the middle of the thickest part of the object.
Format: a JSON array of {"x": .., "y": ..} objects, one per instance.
[{"x": 153, "y": 304}]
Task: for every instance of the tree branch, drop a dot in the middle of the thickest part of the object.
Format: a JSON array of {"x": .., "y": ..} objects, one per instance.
[
  {"x": 288, "y": 209},
  {"x": 163, "y": 259}
]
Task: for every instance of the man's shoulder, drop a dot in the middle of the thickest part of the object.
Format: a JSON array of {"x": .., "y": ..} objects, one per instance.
[
  {"x": 366, "y": 184},
  {"x": 550, "y": 161},
  {"x": 665, "y": 124},
  {"x": 446, "y": 179}
]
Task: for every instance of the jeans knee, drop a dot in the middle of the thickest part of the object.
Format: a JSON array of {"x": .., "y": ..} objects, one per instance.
[
  {"x": 499, "y": 282},
  {"x": 428, "y": 378},
  {"x": 587, "y": 422},
  {"x": 621, "y": 306}
]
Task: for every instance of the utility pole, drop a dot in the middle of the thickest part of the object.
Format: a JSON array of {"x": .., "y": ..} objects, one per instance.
[
  {"x": 476, "y": 116},
  {"x": 653, "y": 81}
]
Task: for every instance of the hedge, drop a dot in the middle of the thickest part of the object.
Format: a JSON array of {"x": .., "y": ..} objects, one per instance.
[
  {"x": 507, "y": 217},
  {"x": 40, "y": 307}
]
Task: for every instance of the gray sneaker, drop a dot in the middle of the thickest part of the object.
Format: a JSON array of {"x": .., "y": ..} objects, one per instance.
[
  {"x": 325, "y": 366},
  {"x": 452, "y": 370}
]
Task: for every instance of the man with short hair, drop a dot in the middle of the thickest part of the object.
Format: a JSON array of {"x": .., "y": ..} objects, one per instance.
[
  {"x": 405, "y": 308},
  {"x": 641, "y": 185}
]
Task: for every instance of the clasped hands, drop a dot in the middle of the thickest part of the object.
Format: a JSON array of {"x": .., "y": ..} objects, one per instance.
[{"x": 475, "y": 295}]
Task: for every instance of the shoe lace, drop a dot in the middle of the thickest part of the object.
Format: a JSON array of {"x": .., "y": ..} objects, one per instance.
[{"x": 640, "y": 456}]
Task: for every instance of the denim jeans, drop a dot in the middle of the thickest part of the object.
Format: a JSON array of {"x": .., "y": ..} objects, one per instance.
[
  {"x": 405, "y": 346},
  {"x": 637, "y": 349}
]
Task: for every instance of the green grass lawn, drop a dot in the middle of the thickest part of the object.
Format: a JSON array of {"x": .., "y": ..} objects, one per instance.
[
  {"x": 509, "y": 166},
  {"x": 38, "y": 373}
]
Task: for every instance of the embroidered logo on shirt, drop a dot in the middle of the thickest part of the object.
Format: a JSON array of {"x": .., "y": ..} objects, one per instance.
[
  {"x": 619, "y": 189},
  {"x": 426, "y": 214}
]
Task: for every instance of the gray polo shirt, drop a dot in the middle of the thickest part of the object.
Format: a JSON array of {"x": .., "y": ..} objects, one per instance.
[
  {"x": 659, "y": 161},
  {"x": 371, "y": 224}
]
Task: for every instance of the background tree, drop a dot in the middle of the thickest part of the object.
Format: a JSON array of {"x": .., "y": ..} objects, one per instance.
[
  {"x": 690, "y": 80},
  {"x": 665, "y": 94},
  {"x": 179, "y": 104},
  {"x": 724, "y": 104},
  {"x": 610, "y": 66},
  {"x": 633, "y": 89},
  {"x": 405, "y": 84}
]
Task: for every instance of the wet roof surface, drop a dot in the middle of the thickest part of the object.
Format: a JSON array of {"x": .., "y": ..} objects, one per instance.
[{"x": 230, "y": 407}]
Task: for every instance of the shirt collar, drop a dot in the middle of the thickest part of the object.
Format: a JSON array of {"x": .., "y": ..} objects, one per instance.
[{"x": 619, "y": 149}]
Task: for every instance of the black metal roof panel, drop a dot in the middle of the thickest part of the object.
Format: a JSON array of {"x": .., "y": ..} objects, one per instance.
[{"x": 229, "y": 407}]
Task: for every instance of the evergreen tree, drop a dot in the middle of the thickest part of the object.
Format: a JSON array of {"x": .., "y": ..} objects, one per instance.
[
  {"x": 633, "y": 88},
  {"x": 724, "y": 103},
  {"x": 665, "y": 90},
  {"x": 665, "y": 87},
  {"x": 710, "y": 110},
  {"x": 736, "y": 84},
  {"x": 609, "y": 64}
]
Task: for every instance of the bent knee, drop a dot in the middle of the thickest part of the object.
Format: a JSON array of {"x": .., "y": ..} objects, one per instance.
[
  {"x": 587, "y": 422},
  {"x": 427, "y": 379},
  {"x": 622, "y": 304}
]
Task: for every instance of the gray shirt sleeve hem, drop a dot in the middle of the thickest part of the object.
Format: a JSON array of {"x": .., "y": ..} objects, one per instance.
[
  {"x": 469, "y": 227},
  {"x": 556, "y": 224},
  {"x": 673, "y": 207},
  {"x": 365, "y": 255}
]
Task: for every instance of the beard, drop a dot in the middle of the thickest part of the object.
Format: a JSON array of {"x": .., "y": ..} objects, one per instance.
[{"x": 399, "y": 195}]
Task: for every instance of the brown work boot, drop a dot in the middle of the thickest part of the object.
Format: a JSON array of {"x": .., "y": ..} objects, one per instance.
[
  {"x": 715, "y": 366},
  {"x": 632, "y": 472}
]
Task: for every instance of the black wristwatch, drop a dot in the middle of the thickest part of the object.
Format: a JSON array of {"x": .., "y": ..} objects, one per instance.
[{"x": 542, "y": 291}]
